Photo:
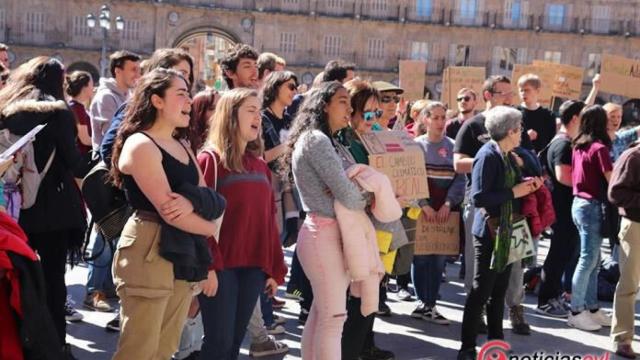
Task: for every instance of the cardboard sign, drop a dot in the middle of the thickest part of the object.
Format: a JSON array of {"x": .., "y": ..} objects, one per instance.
[
  {"x": 620, "y": 76},
  {"x": 546, "y": 75},
  {"x": 567, "y": 82},
  {"x": 412, "y": 78},
  {"x": 401, "y": 159},
  {"x": 521, "y": 242},
  {"x": 439, "y": 239},
  {"x": 455, "y": 78}
]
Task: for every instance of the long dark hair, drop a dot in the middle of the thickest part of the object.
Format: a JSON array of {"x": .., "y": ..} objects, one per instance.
[
  {"x": 141, "y": 114},
  {"x": 38, "y": 78},
  {"x": 593, "y": 127},
  {"x": 310, "y": 117},
  {"x": 203, "y": 102},
  {"x": 272, "y": 85}
]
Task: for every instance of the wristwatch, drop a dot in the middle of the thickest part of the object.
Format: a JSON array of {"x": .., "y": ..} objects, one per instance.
[{"x": 448, "y": 203}]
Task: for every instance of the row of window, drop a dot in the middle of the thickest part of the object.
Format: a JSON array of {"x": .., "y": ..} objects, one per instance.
[
  {"x": 504, "y": 58},
  {"x": 34, "y": 23}
]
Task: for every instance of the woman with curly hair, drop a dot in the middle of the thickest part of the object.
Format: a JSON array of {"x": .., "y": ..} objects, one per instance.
[
  {"x": 150, "y": 162},
  {"x": 318, "y": 172}
]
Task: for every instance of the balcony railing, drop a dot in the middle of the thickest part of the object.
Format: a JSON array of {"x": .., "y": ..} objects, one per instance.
[
  {"x": 285, "y": 6},
  {"x": 463, "y": 17},
  {"x": 425, "y": 15},
  {"x": 558, "y": 23},
  {"x": 380, "y": 11},
  {"x": 508, "y": 21},
  {"x": 337, "y": 8}
]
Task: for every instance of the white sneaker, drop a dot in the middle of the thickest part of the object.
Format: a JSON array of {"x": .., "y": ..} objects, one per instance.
[
  {"x": 583, "y": 321},
  {"x": 275, "y": 329},
  {"x": 601, "y": 317}
]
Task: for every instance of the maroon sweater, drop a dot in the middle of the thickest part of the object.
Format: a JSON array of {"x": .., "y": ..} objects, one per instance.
[
  {"x": 249, "y": 235},
  {"x": 624, "y": 187}
]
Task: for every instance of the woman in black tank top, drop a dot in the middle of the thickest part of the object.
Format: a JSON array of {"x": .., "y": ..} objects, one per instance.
[{"x": 150, "y": 163}]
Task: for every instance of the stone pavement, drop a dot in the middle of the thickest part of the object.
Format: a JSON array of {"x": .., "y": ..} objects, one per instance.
[{"x": 410, "y": 339}]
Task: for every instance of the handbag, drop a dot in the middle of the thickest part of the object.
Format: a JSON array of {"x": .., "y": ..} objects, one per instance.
[
  {"x": 218, "y": 221},
  {"x": 522, "y": 245}
]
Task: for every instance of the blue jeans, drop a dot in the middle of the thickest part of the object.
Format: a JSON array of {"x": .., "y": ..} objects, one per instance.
[
  {"x": 427, "y": 277},
  {"x": 587, "y": 215},
  {"x": 266, "y": 305},
  {"x": 100, "y": 278},
  {"x": 225, "y": 316}
]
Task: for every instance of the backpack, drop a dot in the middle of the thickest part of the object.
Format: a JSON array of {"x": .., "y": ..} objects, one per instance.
[
  {"x": 24, "y": 173},
  {"x": 107, "y": 204}
]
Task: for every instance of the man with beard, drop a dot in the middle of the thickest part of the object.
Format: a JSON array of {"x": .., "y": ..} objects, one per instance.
[{"x": 467, "y": 100}]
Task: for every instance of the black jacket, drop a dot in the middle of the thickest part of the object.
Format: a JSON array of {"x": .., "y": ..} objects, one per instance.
[
  {"x": 188, "y": 252},
  {"x": 58, "y": 205},
  {"x": 37, "y": 332}
]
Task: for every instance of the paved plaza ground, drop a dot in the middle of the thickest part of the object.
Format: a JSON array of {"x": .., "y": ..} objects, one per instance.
[{"x": 410, "y": 339}]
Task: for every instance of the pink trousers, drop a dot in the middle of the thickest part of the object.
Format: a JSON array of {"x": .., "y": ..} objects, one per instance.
[{"x": 320, "y": 253}]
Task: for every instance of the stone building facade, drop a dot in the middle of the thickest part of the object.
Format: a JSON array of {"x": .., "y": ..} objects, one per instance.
[{"x": 374, "y": 34}]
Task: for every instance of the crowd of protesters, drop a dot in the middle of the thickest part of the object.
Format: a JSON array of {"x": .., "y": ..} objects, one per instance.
[{"x": 197, "y": 195}]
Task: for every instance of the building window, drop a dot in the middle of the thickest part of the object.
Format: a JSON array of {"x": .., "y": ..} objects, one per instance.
[
  {"x": 376, "y": 49},
  {"x": 593, "y": 64},
  {"x": 516, "y": 12},
  {"x": 335, "y": 4},
  {"x": 378, "y": 6},
  {"x": 600, "y": 19},
  {"x": 424, "y": 8},
  {"x": 131, "y": 30},
  {"x": 553, "y": 56},
  {"x": 468, "y": 9},
  {"x": 332, "y": 45},
  {"x": 505, "y": 58},
  {"x": 80, "y": 27},
  {"x": 460, "y": 55},
  {"x": 555, "y": 15},
  {"x": 35, "y": 23},
  {"x": 419, "y": 51},
  {"x": 287, "y": 42}
]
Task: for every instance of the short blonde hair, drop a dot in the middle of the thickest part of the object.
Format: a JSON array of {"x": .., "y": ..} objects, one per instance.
[
  {"x": 530, "y": 79},
  {"x": 612, "y": 107},
  {"x": 468, "y": 90},
  {"x": 418, "y": 106}
]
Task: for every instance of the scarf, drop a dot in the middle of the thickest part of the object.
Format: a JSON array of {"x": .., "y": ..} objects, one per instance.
[{"x": 502, "y": 241}]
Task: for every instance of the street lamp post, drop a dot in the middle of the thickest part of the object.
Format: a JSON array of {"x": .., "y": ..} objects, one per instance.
[{"x": 104, "y": 22}]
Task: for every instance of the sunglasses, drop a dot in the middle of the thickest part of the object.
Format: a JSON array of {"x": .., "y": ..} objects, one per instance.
[
  {"x": 292, "y": 87},
  {"x": 370, "y": 115},
  {"x": 388, "y": 99},
  {"x": 465, "y": 98}
]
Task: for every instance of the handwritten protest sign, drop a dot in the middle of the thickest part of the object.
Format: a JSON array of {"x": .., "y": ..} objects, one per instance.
[
  {"x": 620, "y": 76},
  {"x": 401, "y": 159},
  {"x": 567, "y": 82},
  {"x": 546, "y": 75},
  {"x": 438, "y": 238},
  {"x": 412, "y": 78},
  {"x": 455, "y": 78}
]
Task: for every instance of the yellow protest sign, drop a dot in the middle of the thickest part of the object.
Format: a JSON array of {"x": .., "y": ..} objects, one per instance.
[
  {"x": 567, "y": 82},
  {"x": 620, "y": 76},
  {"x": 455, "y": 78},
  {"x": 438, "y": 238},
  {"x": 412, "y": 77},
  {"x": 396, "y": 155}
]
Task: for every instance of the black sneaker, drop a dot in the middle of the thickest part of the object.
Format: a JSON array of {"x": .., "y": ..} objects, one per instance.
[
  {"x": 113, "y": 325},
  {"x": 419, "y": 311},
  {"x": 374, "y": 353},
  {"x": 383, "y": 310},
  {"x": 432, "y": 315}
]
